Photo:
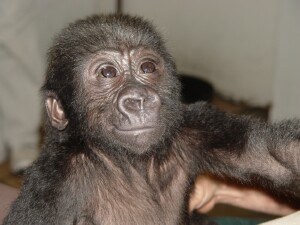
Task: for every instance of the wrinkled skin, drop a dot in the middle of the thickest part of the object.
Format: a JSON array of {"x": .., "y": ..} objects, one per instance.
[
  {"x": 120, "y": 148},
  {"x": 129, "y": 99}
]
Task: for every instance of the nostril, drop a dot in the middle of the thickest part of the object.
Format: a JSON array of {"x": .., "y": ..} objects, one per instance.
[{"x": 133, "y": 101}]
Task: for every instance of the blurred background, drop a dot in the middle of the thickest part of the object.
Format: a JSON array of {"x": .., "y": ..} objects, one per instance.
[{"x": 241, "y": 55}]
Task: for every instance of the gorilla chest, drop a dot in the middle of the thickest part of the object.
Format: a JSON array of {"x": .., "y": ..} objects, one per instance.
[{"x": 137, "y": 200}]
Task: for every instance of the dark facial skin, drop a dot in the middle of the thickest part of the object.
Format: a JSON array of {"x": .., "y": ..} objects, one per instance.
[
  {"x": 125, "y": 84},
  {"x": 121, "y": 149}
]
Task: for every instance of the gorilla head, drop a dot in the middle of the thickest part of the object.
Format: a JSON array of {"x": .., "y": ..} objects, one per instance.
[{"x": 111, "y": 82}]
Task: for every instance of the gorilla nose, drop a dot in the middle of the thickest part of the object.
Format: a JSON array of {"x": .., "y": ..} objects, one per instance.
[{"x": 134, "y": 100}]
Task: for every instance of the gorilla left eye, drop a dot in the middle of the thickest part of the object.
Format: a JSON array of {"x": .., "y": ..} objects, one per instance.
[
  {"x": 148, "y": 67},
  {"x": 108, "y": 71}
]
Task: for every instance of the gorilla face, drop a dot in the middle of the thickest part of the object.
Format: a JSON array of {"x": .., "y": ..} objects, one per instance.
[{"x": 123, "y": 98}]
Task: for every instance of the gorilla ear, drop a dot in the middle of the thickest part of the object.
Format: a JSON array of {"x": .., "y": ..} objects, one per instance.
[{"x": 56, "y": 113}]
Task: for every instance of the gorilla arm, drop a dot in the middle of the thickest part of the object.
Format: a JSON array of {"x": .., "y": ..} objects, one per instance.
[{"x": 247, "y": 150}]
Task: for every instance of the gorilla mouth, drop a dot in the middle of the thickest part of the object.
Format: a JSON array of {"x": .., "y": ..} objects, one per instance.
[
  {"x": 138, "y": 138},
  {"x": 135, "y": 129}
]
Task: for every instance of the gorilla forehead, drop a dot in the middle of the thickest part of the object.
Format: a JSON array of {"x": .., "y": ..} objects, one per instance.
[{"x": 100, "y": 32}]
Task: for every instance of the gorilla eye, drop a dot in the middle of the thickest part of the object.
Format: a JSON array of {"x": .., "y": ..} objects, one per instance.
[
  {"x": 148, "y": 67},
  {"x": 108, "y": 71}
]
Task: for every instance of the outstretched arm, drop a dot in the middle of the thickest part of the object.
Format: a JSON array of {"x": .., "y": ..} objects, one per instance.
[{"x": 248, "y": 150}]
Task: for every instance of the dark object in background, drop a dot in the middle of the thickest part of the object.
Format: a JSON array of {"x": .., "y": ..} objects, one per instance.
[{"x": 195, "y": 89}]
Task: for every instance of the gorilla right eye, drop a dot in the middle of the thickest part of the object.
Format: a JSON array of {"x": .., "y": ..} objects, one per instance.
[
  {"x": 108, "y": 71},
  {"x": 148, "y": 67}
]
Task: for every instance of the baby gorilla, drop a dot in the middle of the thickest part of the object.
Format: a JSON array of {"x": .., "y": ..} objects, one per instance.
[{"x": 120, "y": 148}]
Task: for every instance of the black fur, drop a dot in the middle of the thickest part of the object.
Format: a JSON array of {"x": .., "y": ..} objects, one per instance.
[{"x": 85, "y": 175}]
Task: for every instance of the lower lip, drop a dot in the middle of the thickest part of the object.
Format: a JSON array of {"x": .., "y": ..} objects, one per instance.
[{"x": 136, "y": 131}]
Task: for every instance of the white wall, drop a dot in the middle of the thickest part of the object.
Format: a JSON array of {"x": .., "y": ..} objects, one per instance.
[
  {"x": 53, "y": 15},
  {"x": 231, "y": 43},
  {"x": 287, "y": 69}
]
